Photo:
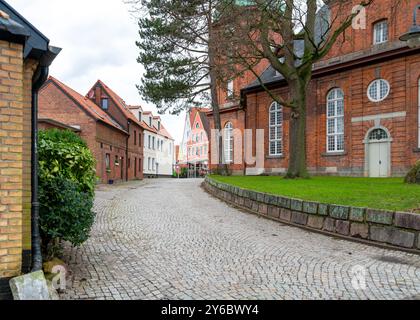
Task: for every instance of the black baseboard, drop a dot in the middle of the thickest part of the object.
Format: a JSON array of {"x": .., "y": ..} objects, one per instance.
[{"x": 5, "y": 292}]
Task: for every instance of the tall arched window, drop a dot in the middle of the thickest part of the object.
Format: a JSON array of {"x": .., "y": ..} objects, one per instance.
[
  {"x": 228, "y": 142},
  {"x": 276, "y": 129},
  {"x": 335, "y": 120}
]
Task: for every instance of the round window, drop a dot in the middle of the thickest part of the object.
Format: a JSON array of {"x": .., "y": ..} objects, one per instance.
[{"x": 378, "y": 90}]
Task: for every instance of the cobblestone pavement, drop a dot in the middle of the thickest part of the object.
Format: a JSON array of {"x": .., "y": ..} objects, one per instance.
[{"x": 168, "y": 239}]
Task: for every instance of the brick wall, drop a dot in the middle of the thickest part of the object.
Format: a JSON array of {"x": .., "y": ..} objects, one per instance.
[{"x": 11, "y": 158}]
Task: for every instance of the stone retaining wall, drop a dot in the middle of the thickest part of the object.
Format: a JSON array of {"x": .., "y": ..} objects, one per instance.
[{"x": 397, "y": 229}]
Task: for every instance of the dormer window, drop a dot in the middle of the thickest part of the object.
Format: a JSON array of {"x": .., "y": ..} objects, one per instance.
[
  {"x": 158, "y": 125},
  {"x": 380, "y": 32},
  {"x": 104, "y": 104},
  {"x": 150, "y": 121},
  {"x": 140, "y": 116}
]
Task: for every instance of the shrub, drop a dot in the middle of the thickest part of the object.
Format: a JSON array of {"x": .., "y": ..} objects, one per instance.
[
  {"x": 65, "y": 154},
  {"x": 66, "y": 188},
  {"x": 65, "y": 212},
  {"x": 413, "y": 176}
]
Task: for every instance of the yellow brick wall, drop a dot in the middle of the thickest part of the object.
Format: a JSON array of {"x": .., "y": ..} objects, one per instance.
[
  {"x": 29, "y": 68},
  {"x": 11, "y": 158}
]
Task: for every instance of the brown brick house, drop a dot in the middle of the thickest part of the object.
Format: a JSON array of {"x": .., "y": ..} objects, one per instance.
[
  {"x": 25, "y": 56},
  {"x": 363, "y": 112},
  {"x": 105, "y": 137}
]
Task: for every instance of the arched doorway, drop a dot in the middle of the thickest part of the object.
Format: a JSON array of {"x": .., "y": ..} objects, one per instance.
[{"x": 378, "y": 153}]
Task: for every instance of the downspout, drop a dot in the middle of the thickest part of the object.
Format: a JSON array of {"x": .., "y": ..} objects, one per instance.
[
  {"x": 39, "y": 78},
  {"x": 126, "y": 150}
]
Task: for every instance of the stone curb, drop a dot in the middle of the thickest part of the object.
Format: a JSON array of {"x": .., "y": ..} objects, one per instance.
[{"x": 400, "y": 230}]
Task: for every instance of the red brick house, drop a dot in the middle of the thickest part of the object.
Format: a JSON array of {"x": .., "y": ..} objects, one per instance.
[
  {"x": 364, "y": 112},
  {"x": 115, "y": 107},
  {"x": 105, "y": 137}
]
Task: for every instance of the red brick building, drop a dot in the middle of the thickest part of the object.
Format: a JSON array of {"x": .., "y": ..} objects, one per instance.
[
  {"x": 115, "y": 107},
  {"x": 105, "y": 137},
  {"x": 364, "y": 109}
]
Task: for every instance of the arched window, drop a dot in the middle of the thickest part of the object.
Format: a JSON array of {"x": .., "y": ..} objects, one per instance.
[
  {"x": 335, "y": 120},
  {"x": 378, "y": 135},
  {"x": 228, "y": 142},
  {"x": 276, "y": 129},
  {"x": 380, "y": 32}
]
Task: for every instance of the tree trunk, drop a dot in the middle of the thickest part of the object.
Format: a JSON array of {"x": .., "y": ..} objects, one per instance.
[
  {"x": 297, "y": 144},
  {"x": 221, "y": 168}
]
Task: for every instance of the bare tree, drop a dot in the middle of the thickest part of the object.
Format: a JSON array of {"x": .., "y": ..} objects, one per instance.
[{"x": 292, "y": 35}]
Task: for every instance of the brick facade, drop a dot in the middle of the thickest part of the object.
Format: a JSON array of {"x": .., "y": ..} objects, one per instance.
[
  {"x": 352, "y": 64},
  {"x": 104, "y": 136},
  {"x": 11, "y": 158},
  {"x": 117, "y": 110}
]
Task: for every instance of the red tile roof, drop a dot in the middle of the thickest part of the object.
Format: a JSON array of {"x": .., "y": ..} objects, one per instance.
[
  {"x": 91, "y": 108},
  {"x": 127, "y": 112}
]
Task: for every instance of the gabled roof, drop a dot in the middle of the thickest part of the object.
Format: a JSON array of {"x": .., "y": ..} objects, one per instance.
[
  {"x": 118, "y": 101},
  {"x": 87, "y": 105},
  {"x": 127, "y": 112}
]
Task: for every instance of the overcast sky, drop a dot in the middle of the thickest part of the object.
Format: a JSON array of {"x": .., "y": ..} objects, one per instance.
[{"x": 98, "y": 40}]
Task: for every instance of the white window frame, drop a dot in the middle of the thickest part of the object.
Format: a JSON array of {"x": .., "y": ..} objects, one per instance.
[
  {"x": 276, "y": 111},
  {"x": 228, "y": 142},
  {"x": 336, "y": 117},
  {"x": 380, "y": 30},
  {"x": 230, "y": 89},
  {"x": 378, "y": 90}
]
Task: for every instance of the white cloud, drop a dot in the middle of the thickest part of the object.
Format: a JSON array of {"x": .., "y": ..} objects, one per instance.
[{"x": 98, "y": 40}]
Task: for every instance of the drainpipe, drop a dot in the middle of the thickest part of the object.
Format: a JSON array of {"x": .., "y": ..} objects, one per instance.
[
  {"x": 38, "y": 79},
  {"x": 126, "y": 150}
]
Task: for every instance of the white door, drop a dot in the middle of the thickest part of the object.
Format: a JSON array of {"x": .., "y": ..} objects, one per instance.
[{"x": 378, "y": 159}]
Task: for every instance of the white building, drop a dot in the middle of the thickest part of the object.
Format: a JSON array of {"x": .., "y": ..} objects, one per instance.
[{"x": 159, "y": 146}]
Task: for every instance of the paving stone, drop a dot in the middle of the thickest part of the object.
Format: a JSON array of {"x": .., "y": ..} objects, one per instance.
[
  {"x": 198, "y": 247},
  {"x": 329, "y": 225},
  {"x": 359, "y": 230},
  {"x": 316, "y": 222},
  {"x": 284, "y": 202},
  {"x": 299, "y": 218},
  {"x": 339, "y": 212},
  {"x": 310, "y": 207},
  {"x": 285, "y": 214},
  {"x": 263, "y": 209},
  {"x": 379, "y": 216},
  {"x": 323, "y": 209},
  {"x": 357, "y": 214},
  {"x": 342, "y": 227},
  {"x": 296, "y": 205},
  {"x": 407, "y": 220},
  {"x": 274, "y": 211}
]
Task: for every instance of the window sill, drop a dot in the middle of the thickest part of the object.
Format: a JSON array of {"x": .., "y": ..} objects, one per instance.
[
  {"x": 275, "y": 157},
  {"x": 416, "y": 150},
  {"x": 334, "y": 154}
]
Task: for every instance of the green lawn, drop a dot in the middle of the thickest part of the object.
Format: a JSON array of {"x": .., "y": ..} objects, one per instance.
[{"x": 389, "y": 194}]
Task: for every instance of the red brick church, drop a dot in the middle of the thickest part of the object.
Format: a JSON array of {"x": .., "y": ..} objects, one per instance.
[{"x": 363, "y": 116}]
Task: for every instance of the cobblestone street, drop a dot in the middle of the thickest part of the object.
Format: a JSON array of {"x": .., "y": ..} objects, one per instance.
[{"x": 168, "y": 239}]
